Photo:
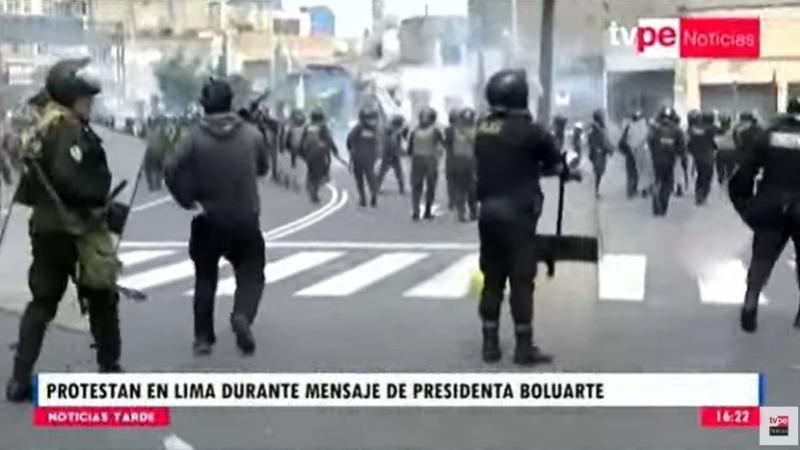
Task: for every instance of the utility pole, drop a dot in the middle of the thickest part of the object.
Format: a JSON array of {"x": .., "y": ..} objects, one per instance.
[{"x": 546, "y": 61}]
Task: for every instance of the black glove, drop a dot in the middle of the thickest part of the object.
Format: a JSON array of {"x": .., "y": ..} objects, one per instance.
[{"x": 117, "y": 217}]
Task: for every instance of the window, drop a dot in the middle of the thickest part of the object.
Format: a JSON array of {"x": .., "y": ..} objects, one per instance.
[
  {"x": 288, "y": 27},
  {"x": 13, "y": 6}
]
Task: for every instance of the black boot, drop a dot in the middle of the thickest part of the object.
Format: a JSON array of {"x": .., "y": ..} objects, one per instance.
[
  {"x": 526, "y": 354},
  {"x": 110, "y": 368},
  {"x": 749, "y": 317},
  {"x": 363, "y": 202},
  {"x": 374, "y": 202},
  {"x": 428, "y": 213},
  {"x": 491, "y": 344},
  {"x": 19, "y": 391},
  {"x": 202, "y": 347},
  {"x": 244, "y": 336}
]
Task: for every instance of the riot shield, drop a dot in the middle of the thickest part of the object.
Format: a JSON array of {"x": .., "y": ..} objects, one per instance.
[
  {"x": 125, "y": 156},
  {"x": 581, "y": 243}
]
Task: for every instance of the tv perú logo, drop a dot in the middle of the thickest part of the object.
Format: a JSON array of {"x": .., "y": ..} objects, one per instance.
[
  {"x": 691, "y": 37},
  {"x": 779, "y": 425}
]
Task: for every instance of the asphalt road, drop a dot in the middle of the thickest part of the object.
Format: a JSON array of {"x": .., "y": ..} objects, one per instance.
[{"x": 355, "y": 289}]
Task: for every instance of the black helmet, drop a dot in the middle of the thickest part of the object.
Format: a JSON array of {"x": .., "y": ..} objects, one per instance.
[
  {"x": 367, "y": 115},
  {"x": 397, "y": 121},
  {"x": 317, "y": 115},
  {"x": 637, "y": 114},
  {"x": 508, "y": 89},
  {"x": 667, "y": 114},
  {"x": 427, "y": 116},
  {"x": 694, "y": 116},
  {"x": 747, "y": 116},
  {"x": 467, "y": 116},
  {"x": 708, "y": 117},
  {"x": 298, "y": 117},
  {"x": 793, "y": 107},
  {"x": 216, "y": 96},
  {"x": 68, "y": 81},
  {"x": 559, "y": 121},
  {"x": 452, "y": 116},
  {"x": 599, "y": 116}
]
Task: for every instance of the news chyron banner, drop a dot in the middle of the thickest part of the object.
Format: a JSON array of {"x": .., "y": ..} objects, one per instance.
[{"x": 143, "y": 400}]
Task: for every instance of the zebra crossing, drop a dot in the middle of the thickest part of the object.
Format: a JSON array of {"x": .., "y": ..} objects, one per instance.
[{"x": 432, "y": 271}]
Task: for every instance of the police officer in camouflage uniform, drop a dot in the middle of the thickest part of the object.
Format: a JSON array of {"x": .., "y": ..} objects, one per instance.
[
  {"x": 317, "y": 148},
  {"x": 772, "y": 209},
  {"x": 158, "y": 145},
  {"x": 393, "y": 142},
  {"x": 67, "y": 183},
  {"x": 425, "y": 147},
  {"x": 460, "y": 146}
]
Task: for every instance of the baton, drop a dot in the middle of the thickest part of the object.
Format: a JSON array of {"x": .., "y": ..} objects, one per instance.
[{"x": 562, "y": 181}]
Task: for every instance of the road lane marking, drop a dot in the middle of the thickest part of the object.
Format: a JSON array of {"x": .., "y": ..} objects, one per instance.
[
  {"x": 152, "y": 204},
  {"x": 332, "y": 202},
  {"x": 362, "y": 276},
  {"x": 173, "y": 442},
  {"x": 133, "y": 258},
  {"x": 282, "y": 269},
  {"x": 725, "y": 283},
  {"x": 451, "y": 283},
  {"x": 311, "y": 222},
  {"x": 162, "y": 275},
  {"x": 350, "y": 245},
  {"x": 622, "y": 278}
]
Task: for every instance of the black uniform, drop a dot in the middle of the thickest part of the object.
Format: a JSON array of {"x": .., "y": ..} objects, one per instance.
[
  {"x": 701, "y": 146},
  {"x": 452, "y": 119},
  {"x": 511, "y": 152},
  {"x": 460, "y": 146},
  {"x": 599, "y": 148},
  {"x": 67, "y": 222},
  {"x": 363, "y": 143},
  {"x": 425, "y": 147},
  {"x": 393, "y": 142},
  {"x": 666, "y": 143},
  {"x": 773, "y": 211}
]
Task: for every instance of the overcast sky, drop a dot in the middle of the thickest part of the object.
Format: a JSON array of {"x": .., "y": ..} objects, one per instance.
[{"x": 353, "y": 16}]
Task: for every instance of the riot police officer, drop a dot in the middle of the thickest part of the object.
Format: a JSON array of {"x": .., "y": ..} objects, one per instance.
[
  {"x": 362, "y": 143},
  {"x": 773, "y": 210},
  {"x": 158, "y": 144},
  {"x": 701, "y": 146},
  {"x": 452, "y": 122},
  {"x": 726, "y": 148},
  {"x": 666, "y": 143},
  {"x": 512, "y": 153},
  {"x": 460, "y": 146},
  {"x": 599, "y": 148},
  {"x": 746, "y": 134},
  {"x": 560, "y": 130},
  {"x": 317, "y": 149},
  {"x": 394, "y": 138},
  {"x": 294, "y": 134},
  {"x": 67, "y": 183},
  {"x": 425, "y": 147}
]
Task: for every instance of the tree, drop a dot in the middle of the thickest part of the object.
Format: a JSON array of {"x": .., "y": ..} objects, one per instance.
[{"x": 179, "y": 81}]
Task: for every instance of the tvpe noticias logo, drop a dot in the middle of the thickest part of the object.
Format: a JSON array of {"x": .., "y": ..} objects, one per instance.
[
  {"x": 695, "y": 37},
  {"x": 779, "y": 425}
]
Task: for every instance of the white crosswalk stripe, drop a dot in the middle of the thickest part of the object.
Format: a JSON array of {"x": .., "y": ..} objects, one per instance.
[
  {"x": 130, "y": 259},
  {"x": 360, "y": 277},
  {"x": 283, "y": 269},
  {"x": 622, "y": 278},
  {"x": 725, "y": 283},
  {"x": 451, "y": 283}
]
